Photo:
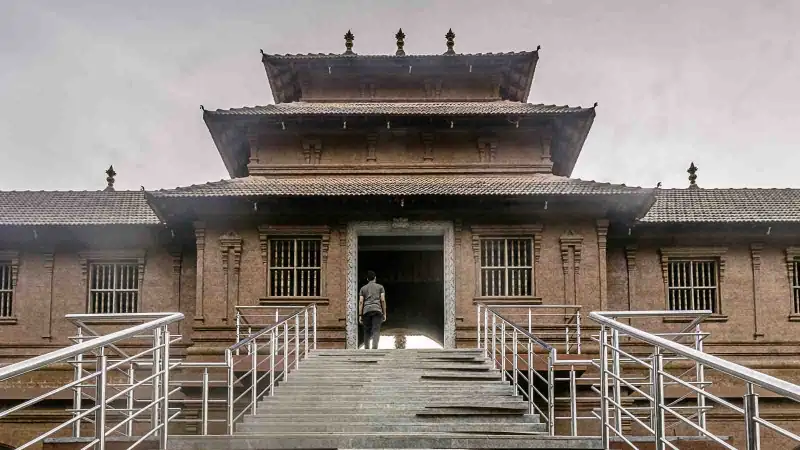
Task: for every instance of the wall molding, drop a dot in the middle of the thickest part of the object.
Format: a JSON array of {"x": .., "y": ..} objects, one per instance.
[
  {"x": 668, "y": 253},
  {"x": 571, "y": 245},
  {"x": 323, "y": 232},
  {"x": 534, "y": 231}
]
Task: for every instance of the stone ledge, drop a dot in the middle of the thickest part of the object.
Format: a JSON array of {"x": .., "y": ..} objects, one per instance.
[{"x": 711, "y": 318}]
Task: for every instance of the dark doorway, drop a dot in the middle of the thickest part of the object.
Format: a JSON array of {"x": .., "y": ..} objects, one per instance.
[{"x": 411, "y": 269}]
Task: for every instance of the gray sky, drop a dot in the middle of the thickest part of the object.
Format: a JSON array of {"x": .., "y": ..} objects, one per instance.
[{"x": 87, "y": 84}]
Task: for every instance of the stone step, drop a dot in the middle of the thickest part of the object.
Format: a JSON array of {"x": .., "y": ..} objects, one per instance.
[
  {"x": 346, "y": 398},
  {"x": 382, "y": 418},
  {"x": 393, "y": 409},
  {"x": 274, "y": 403},
  {"x": 379, "y": 441},
  {"x": 356, "y": 427}
]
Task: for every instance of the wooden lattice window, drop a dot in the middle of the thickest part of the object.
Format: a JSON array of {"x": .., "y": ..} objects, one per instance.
[
  {"x": 506, "y": 267},
  {"x": 295, "y": 267},
  {"x": 693, "y": 285},
  {"x": 113, "y": 287},
  {"x": 796, "y": 286},
  {"x": 6, "y": 290}
]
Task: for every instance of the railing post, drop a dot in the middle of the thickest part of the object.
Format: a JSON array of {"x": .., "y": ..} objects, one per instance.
[
  {"x": 229, "y": 361},
  {"x": 314, "y": 313},
  {"x": 305, "y": 330},
  {"x": 551, "y": 392},
  {"x": 615, "y": 369},
  {"x": 701, "y": 378},
  {"x": 515, "y": 379},
  {"x": 130, "y": 398},
  {"x": 204, "y": 408},
  {"x": 604, "y": 386},
  {"x": 566, "y": 340},
  {"x": 486, "y": 332},
  {"x": 478, "y": 325},
  {"x": 503, "y": 350},
  {"x": 285, "y": 350},
  {"x": 296, "y": 342},
  {"x": 578, "y": 329},
  {"x": 752, "y": 431},
  {"x": 494, "y": 341},
  {"x": 531, "y": 408},
  {"x": 238, "y": 329},
  {"x": 100, "y": 401},
  {"x": 154, "y": 414},
  {"x": 573, "y": 402},
  {"x": 78, "y": 393},
  {"x": 254, "y": 376},
  {"x": 658, "y": 399},
  {"x": 165, "y": 338},
  {"x": 272, "y": 349}
]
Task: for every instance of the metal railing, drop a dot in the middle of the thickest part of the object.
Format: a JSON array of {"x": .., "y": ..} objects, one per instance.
[
  {"x": 515, "y": 351},
  {"x": 670, "y": 401},
  {"x": 112, "y": 389},
  {"x": 271, "y": 353},
  {"x": 250, "y": 319}
]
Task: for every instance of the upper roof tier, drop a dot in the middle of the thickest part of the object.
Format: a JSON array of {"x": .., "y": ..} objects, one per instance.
[{"x": 400, "y": 77}]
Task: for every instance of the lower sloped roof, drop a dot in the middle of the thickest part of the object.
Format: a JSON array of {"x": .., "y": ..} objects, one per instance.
[
  {"x": 21, "y": 208},
  {"x": 697, "y": 205},
  {"x": 407, "y": 185}
]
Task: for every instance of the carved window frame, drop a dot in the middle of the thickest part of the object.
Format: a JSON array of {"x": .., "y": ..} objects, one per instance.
[
  {"x": 481, "y": 232},
  {"x": 10, "y": 258},
  {"x": 793, "y": 274},
  {"x": 269, "y": 232},
  {"x": 137, "y": 257},
  {"x": 717, "y": 254}
]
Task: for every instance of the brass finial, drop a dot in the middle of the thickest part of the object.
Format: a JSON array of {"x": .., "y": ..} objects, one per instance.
[
  {"x": 348, "y": 43},
  {"x": 450, "y": 36},
  {"x": 400, "y": 36},
  {"x": 692, "y": 175},
  {"x": 110, "y": 179}
]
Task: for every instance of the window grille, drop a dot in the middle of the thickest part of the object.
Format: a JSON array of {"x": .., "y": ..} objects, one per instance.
[
  {"x": 506, "y": 267},
  {"x": 295, "y": 267},
  {"x": 796, "y": 287},
  {"x": 693, "y": 285},
  {"x": 6, "y": 291},
  {"x": 113, "y": 288}
]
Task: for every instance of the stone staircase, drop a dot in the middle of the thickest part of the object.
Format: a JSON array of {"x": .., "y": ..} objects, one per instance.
[{"x": 391, "y": 399}]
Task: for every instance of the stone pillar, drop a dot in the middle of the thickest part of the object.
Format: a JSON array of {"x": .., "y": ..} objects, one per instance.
[
  {"x": 200, "y": 238},
  {"x": 602, "y": 234}
]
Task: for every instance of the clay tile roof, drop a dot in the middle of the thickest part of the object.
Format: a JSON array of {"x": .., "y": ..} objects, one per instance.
[
  {"x": 390, "y": 56},
  {"x": 408, "y": 185},
  {"x": 75, "y": 208},
  {"x": 725, "y": 205},
  {"x": 502, "y": 107}
]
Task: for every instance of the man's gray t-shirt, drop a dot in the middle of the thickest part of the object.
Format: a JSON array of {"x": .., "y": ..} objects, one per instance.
[{"x": 372, "y": 297}]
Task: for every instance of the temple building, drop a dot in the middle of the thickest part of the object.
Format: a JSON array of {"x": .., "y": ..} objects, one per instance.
[{"x": 433, "y": 171}]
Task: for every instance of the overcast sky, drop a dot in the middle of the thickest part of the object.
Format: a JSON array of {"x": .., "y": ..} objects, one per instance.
[{"x": 87, "y": 84}]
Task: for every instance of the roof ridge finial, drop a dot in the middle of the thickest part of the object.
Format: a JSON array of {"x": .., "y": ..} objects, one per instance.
[
  {"x": 692, "y": 176},
  {"x": 348, "y": 42},
  {"x": 400, "y": 36},
  {"x": 110, "y": 179},
  {"x": 450, "y": 36}
]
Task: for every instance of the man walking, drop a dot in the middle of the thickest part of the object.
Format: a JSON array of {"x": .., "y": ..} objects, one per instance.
[{"x": 372, "y": 305}]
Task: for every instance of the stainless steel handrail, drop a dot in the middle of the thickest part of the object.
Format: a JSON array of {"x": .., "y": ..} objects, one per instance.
[
  {"x": 270, "y": 328},
  {"x": 762, "y": 380},
  {"x": 37, "y": 362}
]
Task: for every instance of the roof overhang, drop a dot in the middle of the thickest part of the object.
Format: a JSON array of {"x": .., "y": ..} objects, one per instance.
[
  {"x": 514, "y": 71},
  {"x": 229, "y": 128}
]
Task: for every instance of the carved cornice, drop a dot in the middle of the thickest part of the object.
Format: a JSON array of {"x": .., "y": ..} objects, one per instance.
[
  {"x": 602, "y": 233},
  {"x": 230, "y": 245},
  {"x": 755, "y": 255},
  {"x": 689, "y": 253},
  {"x": 792, "y": 255},
  {"x": 102, "y": 256},
  {"x": 252, "y": 140},
  {"x": 265, "y": 232},
  {"x": 630, "y": 257},
  {"x": 11, "y": 257},
  {"x": 567, "y": 240},
  {"x": 533, "y": 231},
  {"x": 458, "y": 226},
  {"x": 200, "y": 235}
]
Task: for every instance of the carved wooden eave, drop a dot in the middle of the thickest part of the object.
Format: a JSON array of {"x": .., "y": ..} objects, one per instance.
[
  {"x": 102, "y": 256},
  {"x": 12, "y": 258},
  {"x": 689, "y": 253}
]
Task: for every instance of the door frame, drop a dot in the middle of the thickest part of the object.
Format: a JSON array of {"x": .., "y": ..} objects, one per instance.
[{"x": 402, "y": 227}]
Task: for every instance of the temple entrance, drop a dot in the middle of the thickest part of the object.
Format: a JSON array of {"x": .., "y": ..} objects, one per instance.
[
  {"x": 411, "y": 269},
  {"x": 415, "y": 263}
]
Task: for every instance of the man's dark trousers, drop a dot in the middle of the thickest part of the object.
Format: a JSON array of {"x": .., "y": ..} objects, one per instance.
[{"x": 372, "y": 328}]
